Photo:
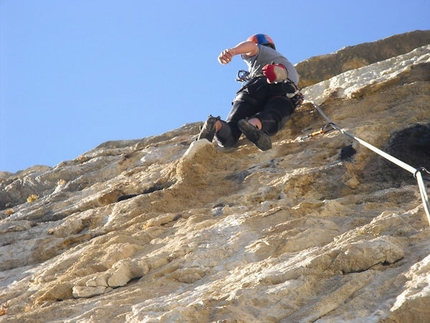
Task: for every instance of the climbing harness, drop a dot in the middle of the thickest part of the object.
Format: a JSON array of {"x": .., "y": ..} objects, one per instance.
[
  {"x": 293, "y": 92},
  {"x": 416, "y": 172}
]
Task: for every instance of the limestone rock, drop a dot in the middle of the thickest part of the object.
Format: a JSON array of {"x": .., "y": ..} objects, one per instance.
[
  {"x": 86, "y": 291},
  {"x": 169, "y": 229},
  {"x": 319, "y": 68}
]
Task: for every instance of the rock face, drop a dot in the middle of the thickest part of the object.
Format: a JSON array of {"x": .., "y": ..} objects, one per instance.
[
  {"x": 320, "y": 68},
  {"x": 168, "y": 229}
]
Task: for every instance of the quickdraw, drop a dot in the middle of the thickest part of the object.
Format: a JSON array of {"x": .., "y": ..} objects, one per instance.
[
  {"x": 322, "y": 131},
  {"x": 421, "y": 170},
  {"x": 242, "y": 76}
]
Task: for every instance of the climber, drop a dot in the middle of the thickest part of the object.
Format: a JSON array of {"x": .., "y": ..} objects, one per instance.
[{"x": 266, "y": 100}]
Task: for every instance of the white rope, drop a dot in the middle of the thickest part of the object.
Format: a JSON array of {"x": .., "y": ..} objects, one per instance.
[
  {"x": 423, "y": 193},
  {"x": 414, "y": 171}
]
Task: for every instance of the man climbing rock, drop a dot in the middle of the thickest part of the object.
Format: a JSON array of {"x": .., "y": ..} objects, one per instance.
[{"x": 266, "y": 100}]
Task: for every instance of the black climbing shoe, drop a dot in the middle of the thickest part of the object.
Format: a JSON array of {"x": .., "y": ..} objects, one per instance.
[
  {"x": 257, "y": 137},
  {"x": 208, "y": 130}
]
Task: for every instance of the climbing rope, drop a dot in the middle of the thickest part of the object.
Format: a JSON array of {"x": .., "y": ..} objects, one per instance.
[{"x": 416, "y": 172}]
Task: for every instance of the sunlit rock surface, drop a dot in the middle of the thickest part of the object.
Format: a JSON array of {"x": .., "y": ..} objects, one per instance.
[
  {"x": 320, "y": 68},
  {"x": 167, "y": 229}
]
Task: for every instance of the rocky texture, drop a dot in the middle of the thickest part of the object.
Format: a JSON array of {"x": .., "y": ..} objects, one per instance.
[
  {"x": 320, "y": 68},
  {"x": 167, "y": 229}
]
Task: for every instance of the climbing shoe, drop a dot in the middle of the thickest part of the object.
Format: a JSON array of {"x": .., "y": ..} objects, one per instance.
[
  {"x": 208, "y": 130},
  {"x": 256, "y": 136}
]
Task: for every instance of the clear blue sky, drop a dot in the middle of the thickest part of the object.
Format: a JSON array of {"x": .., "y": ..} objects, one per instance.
[{"x": 77, "y": 73}]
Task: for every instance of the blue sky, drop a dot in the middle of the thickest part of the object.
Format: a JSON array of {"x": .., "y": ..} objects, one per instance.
[{"x": 74, "y": 74}]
